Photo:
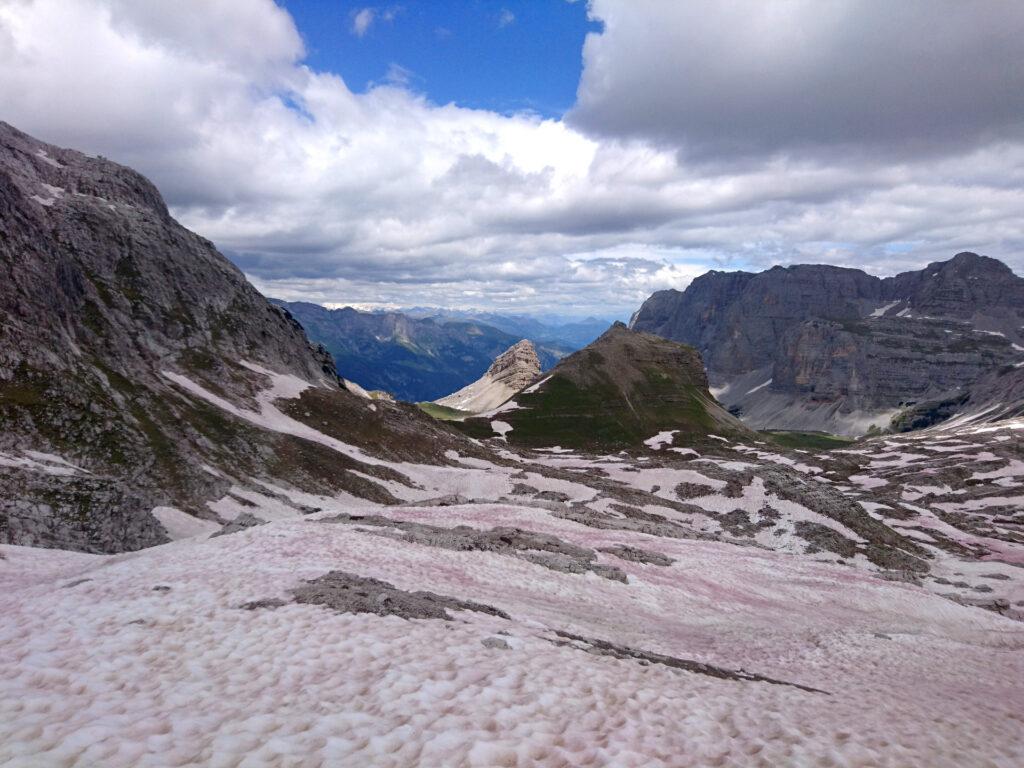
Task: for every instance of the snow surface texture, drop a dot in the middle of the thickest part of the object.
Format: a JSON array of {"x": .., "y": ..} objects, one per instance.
[
  {"x": 663, "y": 609},
  {"x": 150, "y": 660}
]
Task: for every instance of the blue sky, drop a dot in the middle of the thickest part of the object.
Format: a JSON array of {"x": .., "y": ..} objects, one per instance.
[{"x": 483, "y": 54}]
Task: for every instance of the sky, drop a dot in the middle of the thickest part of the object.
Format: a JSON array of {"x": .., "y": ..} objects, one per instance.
[{"x": 542, "y": 155}]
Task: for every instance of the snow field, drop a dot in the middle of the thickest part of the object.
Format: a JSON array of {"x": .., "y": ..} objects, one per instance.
[{"x": 112, "y": 672}]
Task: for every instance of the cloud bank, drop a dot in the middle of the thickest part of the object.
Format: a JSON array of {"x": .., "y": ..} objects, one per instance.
[{"x": 706, "y": 135}]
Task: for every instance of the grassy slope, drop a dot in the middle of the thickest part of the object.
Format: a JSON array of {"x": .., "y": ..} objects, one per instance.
[
  {"x": 599, "y": 415},
  {"x": 807, "y": 440},
  {"x": 442, "y": 412}
]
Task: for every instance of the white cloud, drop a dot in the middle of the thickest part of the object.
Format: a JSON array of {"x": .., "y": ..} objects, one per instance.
[
  {"x": 362, "y": 21},
  {"x": 506, "y": 17},
  {"x": 322, "y": 193}
]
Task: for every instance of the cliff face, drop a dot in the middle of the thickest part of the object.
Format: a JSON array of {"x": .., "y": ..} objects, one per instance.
[
  {"x": 819, "y": 347},
  {"x": 112, "y": 317},
  {"x": 512, "y": 370}
]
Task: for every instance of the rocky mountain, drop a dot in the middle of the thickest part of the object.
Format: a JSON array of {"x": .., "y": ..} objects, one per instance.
[
  {"x": 821, "y": 347},
  {"x": 624, "y": 388},
  {"x": 139, "y": 370},
  {"x": 342, "y": 581},
  {"x": 415, "y": 359},
  {"x": 514, "y": 369}
]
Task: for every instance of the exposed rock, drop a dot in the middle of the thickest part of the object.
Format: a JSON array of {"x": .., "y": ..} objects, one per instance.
[
  {"x": 514, "y": 369},
  {"x": 821, "y": 347},
  {"x": 605, "y": 648},
  {"x": 542, "y": 549},
  {"x": 243, "y": 522},
  {"x": 349, "y": 593},
  {"x": 637, "y": 555},
  {"x": 497, "y": 643}
]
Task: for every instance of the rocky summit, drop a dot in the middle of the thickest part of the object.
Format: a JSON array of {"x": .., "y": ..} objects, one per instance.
[
  {"x": 514, "y": 369},
  {"x": 827, "y": 348},
  {"x": 615, "y": 392}
]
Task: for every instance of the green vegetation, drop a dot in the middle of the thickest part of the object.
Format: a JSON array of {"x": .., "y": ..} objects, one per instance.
[
  {"x": 442, "y": 412},
  {"x": 601, "y": 415},
  {"x": 22, "y": 393},
  {"x": 817, "y": 441}
]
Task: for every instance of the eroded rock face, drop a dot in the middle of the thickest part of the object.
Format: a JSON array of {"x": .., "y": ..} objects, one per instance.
[
  {"x": 351, "y": 593},
  {"x": 809, "y": 346},
  {"x": 514, "y": 369},
  {"x": 103, "y": 299}
]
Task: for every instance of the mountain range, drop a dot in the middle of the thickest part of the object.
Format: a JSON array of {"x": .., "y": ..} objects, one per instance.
[
  {"x": 826, "y": 348},
  {"x": 413, "y": 358},
  {"x": 215, "y": 551},
  {"x": 557, "y": 330}
]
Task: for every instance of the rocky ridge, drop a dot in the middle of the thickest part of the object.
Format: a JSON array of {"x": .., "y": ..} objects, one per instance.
[
  {"x": 121, "y": 336},
  {"x": 615, "y": 392},
  {"x": 821, "y": 347},
  {"x": 513, "y": 370}
]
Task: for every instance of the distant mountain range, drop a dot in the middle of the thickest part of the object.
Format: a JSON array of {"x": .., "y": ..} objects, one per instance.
[
  {"x": 557, "y": 330},
  {"x": 422, "y": 358},
  {"x": 826, "y": 348}
]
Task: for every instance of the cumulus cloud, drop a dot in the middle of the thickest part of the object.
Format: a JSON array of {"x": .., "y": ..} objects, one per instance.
[
  {"x": 321, "y": 193},
  {"x": 719, "y": 77}
]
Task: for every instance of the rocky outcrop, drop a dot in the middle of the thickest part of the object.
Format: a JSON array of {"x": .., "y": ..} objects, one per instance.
[
  {"x": 821, "y": 347},
  {"x": 416, "y": 359},
  {"x": 108, "y": 307},
  {"x": 514, "y": 369},
  {"x": 619, "y": 391}
]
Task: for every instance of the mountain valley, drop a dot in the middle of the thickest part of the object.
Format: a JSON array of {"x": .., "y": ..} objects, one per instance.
[
  {"x": 413, "y": 358},
  {"x": 215, "y": 551}
]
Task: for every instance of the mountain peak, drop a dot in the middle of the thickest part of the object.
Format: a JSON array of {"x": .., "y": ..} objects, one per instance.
[
  {"x": 518, "y": 363},
  {"x": 511, "y": 371},
  {"x": 618, "y": 391}
]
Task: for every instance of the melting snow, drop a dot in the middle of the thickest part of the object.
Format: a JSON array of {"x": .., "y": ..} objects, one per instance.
[
  {"x": 660, "y": 439},
  {"x": 759, "y": 386},
  {"x": 180, "y": 525},
  {"x": 501, "y": 428},
  {"x": 884, "y": 308},
  {"x": 37, "y": 461}
]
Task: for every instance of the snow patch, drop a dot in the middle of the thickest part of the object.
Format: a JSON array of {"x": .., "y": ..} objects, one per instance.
[
  {"x": 660, "y": 439},
  {"x": 181, "y": 525}
]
